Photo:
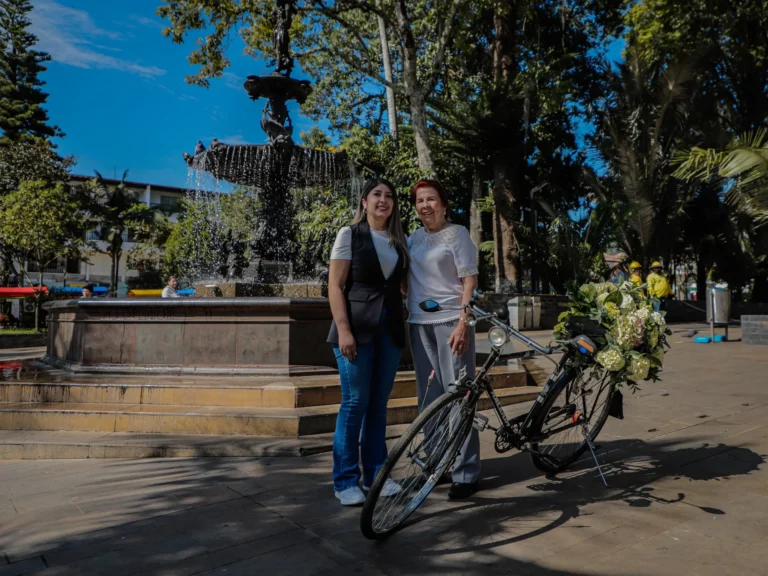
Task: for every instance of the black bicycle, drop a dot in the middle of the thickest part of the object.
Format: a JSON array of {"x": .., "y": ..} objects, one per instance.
[{"x": 561, "y": 425}]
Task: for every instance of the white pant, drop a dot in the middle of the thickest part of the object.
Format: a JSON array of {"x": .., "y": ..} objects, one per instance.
[{"x": 429, "y": 344}]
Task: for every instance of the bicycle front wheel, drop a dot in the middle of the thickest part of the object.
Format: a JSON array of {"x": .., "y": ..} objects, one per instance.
[
  {"x": 416, "y": 463},
  {"x": 579, "y": 402}
]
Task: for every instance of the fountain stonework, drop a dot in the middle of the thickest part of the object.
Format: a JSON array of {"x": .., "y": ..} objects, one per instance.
[{"x": 204, "y": 336}]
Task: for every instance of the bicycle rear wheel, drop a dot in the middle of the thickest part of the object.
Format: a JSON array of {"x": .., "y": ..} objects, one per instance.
[
  {"x": 416, "y": 463},
  {"x": 583, "y": 395}
]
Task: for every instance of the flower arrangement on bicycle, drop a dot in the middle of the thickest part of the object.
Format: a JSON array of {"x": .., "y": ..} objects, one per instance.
[{"x": 632, "y": 347}]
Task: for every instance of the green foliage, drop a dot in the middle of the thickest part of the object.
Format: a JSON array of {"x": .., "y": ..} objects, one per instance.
[
  {"x": 22, "y": 115},
  {"x": 744, "y": 161},
  {"x": 39, "y": 223},
  {"x": 32, "y": 159},
  {"x": 632, "y": 349},
  {"x": 191, "y": 249},
  {"x": 321, "y": 214},
  {"x": 118, "y": 212}
]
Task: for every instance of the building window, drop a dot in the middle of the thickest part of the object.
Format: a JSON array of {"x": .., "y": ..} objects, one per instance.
[
  {"x": 168, "y": 204},
  {"x": 73, "y": 266}
]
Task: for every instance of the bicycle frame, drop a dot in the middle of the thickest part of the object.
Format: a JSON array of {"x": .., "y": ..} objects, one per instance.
[{"x": 516, "y": 436}]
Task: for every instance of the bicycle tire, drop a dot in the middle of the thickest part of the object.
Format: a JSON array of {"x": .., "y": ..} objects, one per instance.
[
  {"x": 547, "y": 464},
  {"x": 372, "y": 525}
]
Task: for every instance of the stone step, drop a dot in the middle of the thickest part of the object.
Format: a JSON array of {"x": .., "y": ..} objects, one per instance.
[
  {"x": 304, "y": 392},
  {"x": 175, "y": 419}
]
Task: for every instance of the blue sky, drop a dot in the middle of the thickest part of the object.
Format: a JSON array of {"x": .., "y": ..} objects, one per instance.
[{"x": 117, "y": 90}]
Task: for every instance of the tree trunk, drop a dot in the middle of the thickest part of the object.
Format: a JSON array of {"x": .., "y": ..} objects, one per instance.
[
  {"x": 37, "y": 300},
  {"x": 701, "y": 279},
  {"x": 387, "y": 64},
  {"x": 475, "y": 220},
  {"x": 414, "y": 91},
  {"x": 421, "y": 134},
  {"x": 506, "y": 253}
]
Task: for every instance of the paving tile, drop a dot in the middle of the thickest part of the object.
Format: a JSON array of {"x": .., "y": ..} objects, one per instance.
[
  {"x": 23, "y": 567},
  {"x": 297, "y": 560}
]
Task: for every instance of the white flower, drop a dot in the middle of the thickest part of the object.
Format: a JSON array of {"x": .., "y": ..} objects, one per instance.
[
  {"x": 658, "y": 319},
  {"x": 638, "y": 368},
  {"x": 627, "y": 302},
  {"x": 643, "y": 313},
  {"x": 611, "y": 359}
]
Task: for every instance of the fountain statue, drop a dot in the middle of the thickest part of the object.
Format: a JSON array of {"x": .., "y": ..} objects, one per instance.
[{"x": 276, "y": 168}]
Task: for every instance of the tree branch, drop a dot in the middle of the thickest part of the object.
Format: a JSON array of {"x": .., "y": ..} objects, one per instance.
[{"x": 445, "y": 36}]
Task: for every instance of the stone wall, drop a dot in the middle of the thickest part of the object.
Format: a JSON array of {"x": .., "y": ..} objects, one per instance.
[{"x": 754, "y": 330}]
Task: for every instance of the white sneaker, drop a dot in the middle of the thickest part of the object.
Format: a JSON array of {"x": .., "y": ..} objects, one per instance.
[
  {"x": 352, "y": 496},
  {"x": 390, "y": 488}
]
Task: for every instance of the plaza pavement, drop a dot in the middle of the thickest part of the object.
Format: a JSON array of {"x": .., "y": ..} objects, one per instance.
[{"x": 688, "y": 495}]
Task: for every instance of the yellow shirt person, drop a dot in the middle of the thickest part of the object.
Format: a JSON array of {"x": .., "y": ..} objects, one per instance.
[
  {"x": 658, "y": 286},
  {"x": 636, "y": 277}
]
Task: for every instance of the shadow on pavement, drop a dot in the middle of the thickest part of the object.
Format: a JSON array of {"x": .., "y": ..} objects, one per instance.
[{"x": 278, "y": 516}]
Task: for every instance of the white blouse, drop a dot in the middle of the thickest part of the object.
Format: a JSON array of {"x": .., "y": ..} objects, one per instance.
[
  {"x": 342, "y": 249},
  {"x": 438, "y": 263}
]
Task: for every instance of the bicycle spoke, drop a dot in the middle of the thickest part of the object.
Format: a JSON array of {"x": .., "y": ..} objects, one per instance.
[
  {"x": 419, "y": 467},
  {"x": 562, "y": 432}
]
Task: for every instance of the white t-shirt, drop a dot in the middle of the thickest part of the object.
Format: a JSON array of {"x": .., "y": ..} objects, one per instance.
[
  {"x": 438, "y": 262},
  {"x": 169, "y": 292},
  {"x": 342, "y": 249}
]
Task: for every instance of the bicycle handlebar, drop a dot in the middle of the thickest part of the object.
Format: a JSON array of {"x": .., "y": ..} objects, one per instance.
[{"x": 481, "y": 314}]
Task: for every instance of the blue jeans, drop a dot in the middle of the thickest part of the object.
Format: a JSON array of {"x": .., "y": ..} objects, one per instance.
[{"x": 366, "y": 383}]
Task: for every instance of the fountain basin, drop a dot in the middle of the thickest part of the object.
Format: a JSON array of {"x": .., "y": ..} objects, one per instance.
[
  {"x": 251, "y": 289},
  {"x": 217, "y": 336},
  {"x": 257, "y": 165}
]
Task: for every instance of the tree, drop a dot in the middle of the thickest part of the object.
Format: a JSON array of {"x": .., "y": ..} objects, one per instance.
[
  {"x": 118, "y": 213},
  {"x": 41, "y": 223},
  {"x": 744, "y": 162},
  {"x": 642, "y": 123},
  {"x": 32, "y": 159},
  {"x": 338, "y": 45},
  {"x": 191, "y": 251},
  {"x": 22, "y": 115}
]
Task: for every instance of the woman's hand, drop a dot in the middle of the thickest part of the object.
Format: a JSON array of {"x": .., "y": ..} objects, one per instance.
[
  {"x": 459, "y": 340},
  {"x": 347, "y": 344}
]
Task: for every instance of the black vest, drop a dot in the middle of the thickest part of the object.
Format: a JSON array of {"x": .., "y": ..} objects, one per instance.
[{"x": 367, "y": 291}]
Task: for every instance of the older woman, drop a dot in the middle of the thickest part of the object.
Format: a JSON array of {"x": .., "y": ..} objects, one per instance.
[
  {"x": 369, "y": 264},
  {"x": 444, "y": 269}
]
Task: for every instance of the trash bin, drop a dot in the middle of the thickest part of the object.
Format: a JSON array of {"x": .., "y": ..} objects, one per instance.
[
  {"x": 536, "y": 319},
  {"x": 516, "y": 307},
  {"x": 718, "y": 304},
  {"x": 528, "y": 306}
]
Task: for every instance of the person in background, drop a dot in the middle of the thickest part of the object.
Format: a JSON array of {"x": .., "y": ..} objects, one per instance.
[
  {"x": 369, "y": 265},
  {"x": 658, "y": 287},
  {"x": 172, "y": 290},
  {"x": 87, "y": 291},
  {"x": 636, "y": 273},
  {"x": 443, "y": 269}
]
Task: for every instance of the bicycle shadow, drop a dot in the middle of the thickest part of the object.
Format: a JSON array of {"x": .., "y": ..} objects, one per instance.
[{"x": 487, "y": 523}]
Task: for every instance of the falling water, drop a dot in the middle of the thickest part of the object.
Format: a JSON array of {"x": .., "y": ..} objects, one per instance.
[{"x": 271, "y": 173}]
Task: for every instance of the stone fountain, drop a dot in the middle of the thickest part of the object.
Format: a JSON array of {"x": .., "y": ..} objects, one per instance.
[
  {"x": 274, "y": 170},
  {"x": 233, "y": 326}
]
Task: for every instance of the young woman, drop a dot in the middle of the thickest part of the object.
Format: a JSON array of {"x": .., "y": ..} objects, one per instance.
[
  {"x": 369, "y": 264},
  {"x": 443, "y": 268}
]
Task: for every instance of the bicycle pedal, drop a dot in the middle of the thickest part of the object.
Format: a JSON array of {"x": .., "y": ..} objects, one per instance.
[{"x": 480, "y": 422}]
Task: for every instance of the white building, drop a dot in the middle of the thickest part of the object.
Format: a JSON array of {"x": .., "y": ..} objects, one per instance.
[{"x": 98, "y": 270}]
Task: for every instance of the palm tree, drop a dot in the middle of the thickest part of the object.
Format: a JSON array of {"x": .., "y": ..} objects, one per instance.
[
  {"x": 641, "y": 123},
  {"x": 118, "y": 212},
  {"x": 744, "y": 162}
]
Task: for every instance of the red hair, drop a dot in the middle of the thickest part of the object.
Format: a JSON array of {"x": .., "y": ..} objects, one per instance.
[{"x": 435, "y": 185}]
